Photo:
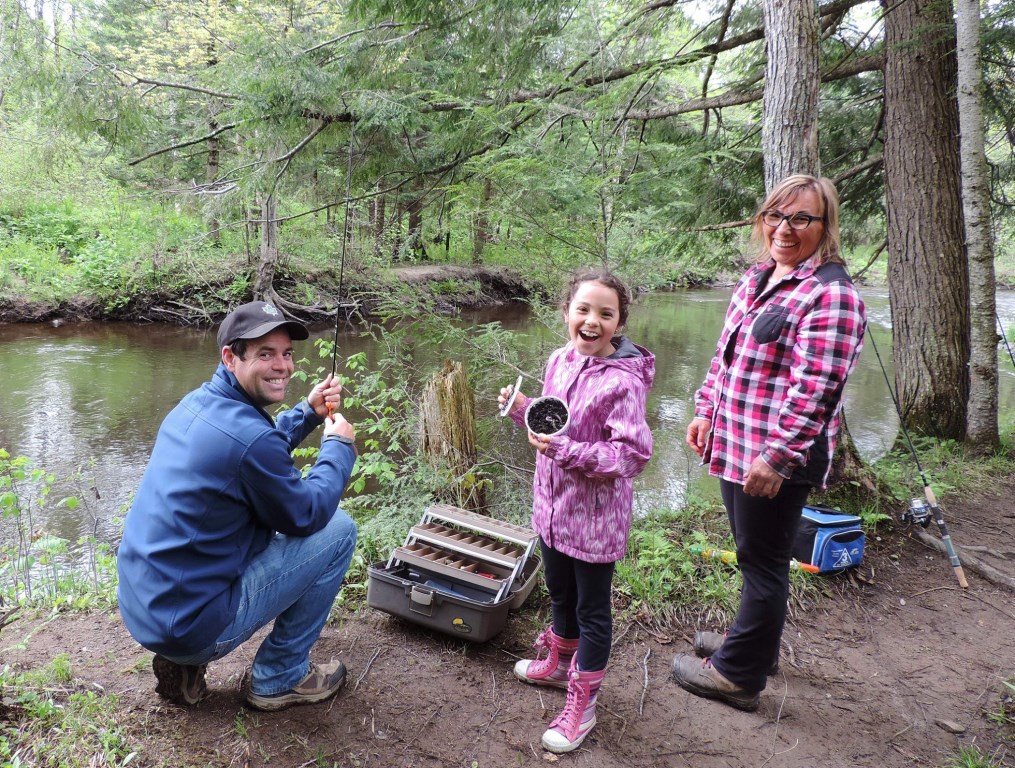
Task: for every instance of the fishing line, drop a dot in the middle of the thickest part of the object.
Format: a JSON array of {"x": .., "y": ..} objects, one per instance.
[
  {"x": 917, "y": 513},
  {"x": 1004, "y": 338},
  {"x": 341, "y": 263}
]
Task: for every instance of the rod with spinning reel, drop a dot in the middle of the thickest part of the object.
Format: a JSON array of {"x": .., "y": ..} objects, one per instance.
[{"x": 919, "y": 513}]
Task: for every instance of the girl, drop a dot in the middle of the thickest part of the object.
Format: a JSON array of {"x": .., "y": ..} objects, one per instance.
[{"x": 583, "y": 493}]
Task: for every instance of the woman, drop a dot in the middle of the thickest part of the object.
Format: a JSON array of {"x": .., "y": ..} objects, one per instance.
[{"x": 766, "y": 419}]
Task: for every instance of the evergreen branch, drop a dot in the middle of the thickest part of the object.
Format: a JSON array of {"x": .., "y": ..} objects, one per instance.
[
  {"x": 347, "y": 35},
  {"x": 872, "y": 63},
  {"x": 856, "y": 170},
  {"x": 181, "y": 145},
  {"x": 288, "y": 156},
  {"x": 185, "y": 87},
  {"x": 866, "y": 165},
  {"x": 863, "y": 64},
  {"x": 628, "y": 22}
]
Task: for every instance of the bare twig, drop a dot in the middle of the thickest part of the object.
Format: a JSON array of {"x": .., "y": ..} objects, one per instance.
[
  {"x": 366, "y": 669},
  {"x": 644, "y": 688},
  {"x": 428, "y": 721}
]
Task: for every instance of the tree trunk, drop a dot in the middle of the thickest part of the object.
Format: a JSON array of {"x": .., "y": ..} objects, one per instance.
[
  {"x": 214, "y": 146},
  {"x": 724, "y": 24},
  {"x": 927, "y": 271},
  {"x": 482, "y": 224},
  {"x": 377, "y": 213},
  {"x": 448, "y": 431},
  {"x": 211, "y": 175},
  {"x": 982, "y": 435},
  {"x": 789, "y": 139},
  {"x": 263, "y": 284},
  {"x": 396, "y": 244},
  {"x": 414, "y": 240},
  {"x": 789, "y": 132}
]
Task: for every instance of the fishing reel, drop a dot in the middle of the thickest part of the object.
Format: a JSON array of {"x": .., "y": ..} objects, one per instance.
[{"x": 918, "y": 513}]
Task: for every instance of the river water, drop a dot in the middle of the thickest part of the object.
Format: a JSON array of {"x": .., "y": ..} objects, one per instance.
[{"x": 91, "y": 396}]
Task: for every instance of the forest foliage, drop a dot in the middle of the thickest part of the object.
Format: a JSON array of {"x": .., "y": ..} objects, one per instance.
[{"x": 140, "y": 140}]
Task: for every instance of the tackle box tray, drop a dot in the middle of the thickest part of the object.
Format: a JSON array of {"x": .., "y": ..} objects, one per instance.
[{"x": 458, "y": 572}]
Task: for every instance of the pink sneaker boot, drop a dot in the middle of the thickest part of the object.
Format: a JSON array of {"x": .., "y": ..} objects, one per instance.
[
  {"x": 569, "y": 729},
  {"x": 552, "y": 668}
]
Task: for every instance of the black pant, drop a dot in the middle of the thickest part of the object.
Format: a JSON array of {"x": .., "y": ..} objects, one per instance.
[
  {"x": 764, "y": 530},
  {"x": 580, "y": 602}
]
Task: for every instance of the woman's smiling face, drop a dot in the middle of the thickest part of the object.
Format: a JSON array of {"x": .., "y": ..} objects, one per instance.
[
  {"x": 790, "y": 246},
  {"x": 592, "y": 318}
]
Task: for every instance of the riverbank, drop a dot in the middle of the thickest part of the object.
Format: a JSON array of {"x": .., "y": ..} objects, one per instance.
[
  {"x": 451, "y": 287},
  {"x": 892, "y": 664}
]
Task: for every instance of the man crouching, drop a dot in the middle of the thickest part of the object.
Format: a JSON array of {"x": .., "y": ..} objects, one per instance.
[{"x": 225, "y": 535}]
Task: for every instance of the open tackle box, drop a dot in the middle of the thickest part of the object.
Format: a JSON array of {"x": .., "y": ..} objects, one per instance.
[{"x": 458, "y": 572}]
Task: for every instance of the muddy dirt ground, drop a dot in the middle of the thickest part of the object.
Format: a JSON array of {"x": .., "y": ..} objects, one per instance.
[{"x": 894, "y": 665}]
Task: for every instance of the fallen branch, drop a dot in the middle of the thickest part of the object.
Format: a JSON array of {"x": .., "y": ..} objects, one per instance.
[
  {"x": 989, "y": 572},
  {"x": 8, "y": 617}
]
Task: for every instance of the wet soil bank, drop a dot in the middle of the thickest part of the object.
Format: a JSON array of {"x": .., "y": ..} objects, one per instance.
[{"x": 451, "y": 287}]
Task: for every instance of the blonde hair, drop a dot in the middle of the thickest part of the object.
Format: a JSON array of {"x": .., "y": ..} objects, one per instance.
[{"x": 828, "y": 249}]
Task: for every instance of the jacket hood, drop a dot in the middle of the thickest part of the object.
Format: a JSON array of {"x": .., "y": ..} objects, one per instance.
[{"x": 641, "y": 363}]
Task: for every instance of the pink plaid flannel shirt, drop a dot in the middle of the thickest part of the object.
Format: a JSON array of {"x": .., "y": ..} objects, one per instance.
[{"x": 774, "y": 387}]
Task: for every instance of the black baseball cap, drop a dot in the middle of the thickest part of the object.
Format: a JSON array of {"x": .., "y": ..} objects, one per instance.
[{"x": 254, "y": 320}]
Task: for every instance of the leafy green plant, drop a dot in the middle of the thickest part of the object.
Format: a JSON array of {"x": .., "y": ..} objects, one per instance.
[
  {"x": 872, "y": 516},
  {"x": 40, "y": 568},
  {"x": 1004, "y": 715},
  {"x": 662, "y": 577}
]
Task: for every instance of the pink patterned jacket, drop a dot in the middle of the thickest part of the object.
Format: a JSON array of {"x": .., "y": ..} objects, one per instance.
[{"x": 584, "y": 486}]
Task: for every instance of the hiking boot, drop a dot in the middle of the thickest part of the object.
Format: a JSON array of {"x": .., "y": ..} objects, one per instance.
[
  {"x": 321, "y": 682},
  {"x": 552, "y": 668},
  {"x": 706, "y": 643},
  {"x": 702, "y": 679},
  {"x": 180, "y": 683}
]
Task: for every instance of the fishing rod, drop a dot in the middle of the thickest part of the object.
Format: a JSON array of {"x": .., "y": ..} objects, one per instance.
[
  {"x": 341, "y": 263},
  {"x": 919, "y": 513},
  {"x": 1004, "y": 338}
]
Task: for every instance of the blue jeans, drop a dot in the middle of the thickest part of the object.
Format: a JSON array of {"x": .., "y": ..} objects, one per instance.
[{"x": 293, "y": 581}]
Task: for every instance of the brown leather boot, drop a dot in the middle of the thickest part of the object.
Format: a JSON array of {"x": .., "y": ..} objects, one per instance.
[{"x": 702, "y": 679}]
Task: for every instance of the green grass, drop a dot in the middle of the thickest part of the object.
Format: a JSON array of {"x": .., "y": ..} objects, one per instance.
[
  {"x": 972, "y": 757},
  {"x": 662, "y": 581},
  {"x": 53, "y": 721},
  {"x": 948, "y": 466}
]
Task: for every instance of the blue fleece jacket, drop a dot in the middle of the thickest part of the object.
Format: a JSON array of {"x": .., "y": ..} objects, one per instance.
[{"x": 219, "y": 484}]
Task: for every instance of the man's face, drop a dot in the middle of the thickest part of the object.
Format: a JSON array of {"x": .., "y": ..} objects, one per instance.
[{"x": 265, "y": 369}]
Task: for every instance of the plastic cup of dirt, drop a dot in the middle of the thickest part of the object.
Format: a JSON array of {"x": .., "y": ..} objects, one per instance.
[{"x": 547, "y": 415}]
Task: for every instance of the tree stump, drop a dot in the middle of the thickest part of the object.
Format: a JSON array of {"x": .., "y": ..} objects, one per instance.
[{"x": 448, "y": 436}]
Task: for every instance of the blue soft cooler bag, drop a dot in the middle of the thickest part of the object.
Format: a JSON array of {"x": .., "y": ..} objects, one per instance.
[{"x": 828, "y": 539}]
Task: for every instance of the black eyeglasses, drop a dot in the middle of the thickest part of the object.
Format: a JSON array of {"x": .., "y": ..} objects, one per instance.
[{"x": 796, "y": 220}]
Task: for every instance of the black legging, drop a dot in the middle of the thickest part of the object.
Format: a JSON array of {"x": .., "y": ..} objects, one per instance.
[
  {"x": 580, "y": 601},
  {"x": 764, "y": 530}
]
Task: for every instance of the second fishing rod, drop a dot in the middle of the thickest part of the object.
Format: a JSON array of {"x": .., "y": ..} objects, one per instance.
[
  {"x": 920, "y": 511},
  {"x": 341, "y": 263}
]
